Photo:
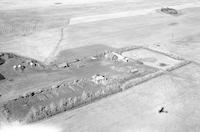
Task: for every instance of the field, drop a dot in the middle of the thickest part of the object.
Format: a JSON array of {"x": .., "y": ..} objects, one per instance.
[
  {"x": 114, "y": 66},
  {"x": 37, "y": 33}
]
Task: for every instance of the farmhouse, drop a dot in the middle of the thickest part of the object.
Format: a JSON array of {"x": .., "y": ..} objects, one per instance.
[
  {"x": 116, "y": 57},
  {"x": 119, "y": 57}
]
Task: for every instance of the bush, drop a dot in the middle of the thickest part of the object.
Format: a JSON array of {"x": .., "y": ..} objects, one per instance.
[{"x": 41, "y": 112}]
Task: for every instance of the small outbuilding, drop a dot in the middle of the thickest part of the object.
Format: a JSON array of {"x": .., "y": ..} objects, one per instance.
[
  {"x": 19, "y": 67},
  {"x": 99, "y": 78},
  {"x": 119, "y": 57}
]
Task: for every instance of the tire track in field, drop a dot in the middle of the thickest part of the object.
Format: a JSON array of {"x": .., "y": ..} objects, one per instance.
[{"x": 53, "y": 53}]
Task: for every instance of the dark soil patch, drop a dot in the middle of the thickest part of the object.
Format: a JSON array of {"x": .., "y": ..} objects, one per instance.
[
  {"x": 162, "y": 64},
  {"x": 173, "y": 24},
  {"x": 57, "y": 3},
  {"x": 170, "y": 11}
]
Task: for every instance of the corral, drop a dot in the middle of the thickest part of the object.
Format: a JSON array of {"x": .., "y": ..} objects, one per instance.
[{"x": 152, "y": 58}]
